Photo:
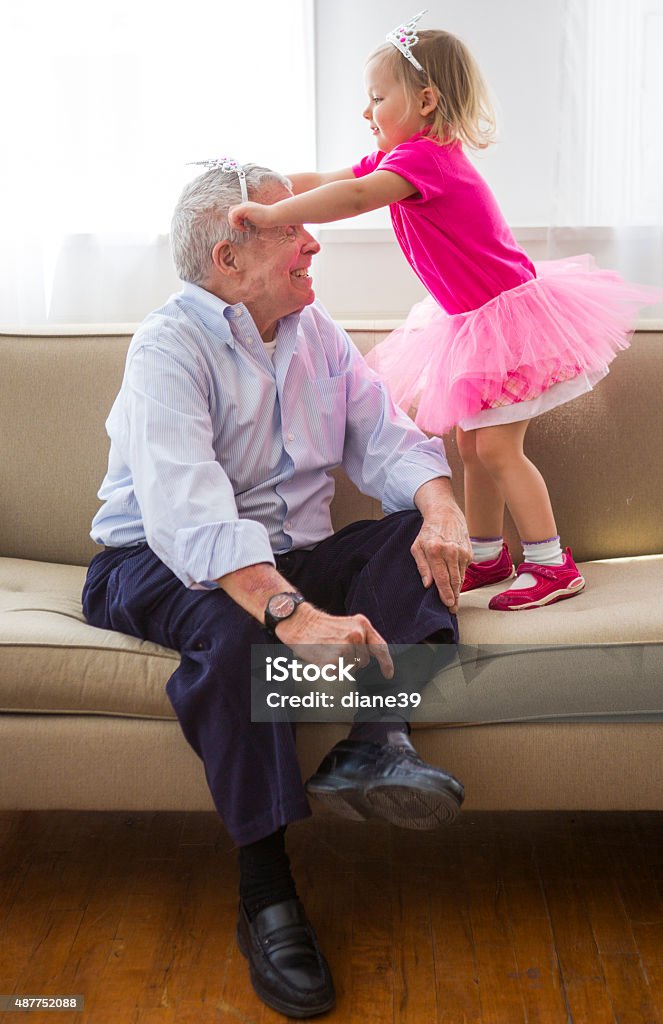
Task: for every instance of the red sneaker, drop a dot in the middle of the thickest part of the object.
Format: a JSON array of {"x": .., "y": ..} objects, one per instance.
[
  {"x": 553, "y": 583},
  {"x": 482, "y": 574}
]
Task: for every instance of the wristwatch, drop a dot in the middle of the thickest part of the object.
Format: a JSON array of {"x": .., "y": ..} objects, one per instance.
[{"x": 280, "y": 607}]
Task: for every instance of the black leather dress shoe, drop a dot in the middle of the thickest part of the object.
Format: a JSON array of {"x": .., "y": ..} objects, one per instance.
[
  {"x": 370, "y": 780},
  {"x": 288, "y": 970}
]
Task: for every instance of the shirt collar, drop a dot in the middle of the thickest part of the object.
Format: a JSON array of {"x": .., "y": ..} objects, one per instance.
[
  {"x": 217, "y": 314},
  {"x": 214, "y": 312}
]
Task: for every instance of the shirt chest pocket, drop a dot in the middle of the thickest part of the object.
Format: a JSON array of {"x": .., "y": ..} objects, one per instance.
[{"x": 322, "y": 406}]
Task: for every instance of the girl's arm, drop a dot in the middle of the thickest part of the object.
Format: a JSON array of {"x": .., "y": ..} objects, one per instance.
[
  {"x": 335, "y": 201},
  {"x": 306, "y": 181}
]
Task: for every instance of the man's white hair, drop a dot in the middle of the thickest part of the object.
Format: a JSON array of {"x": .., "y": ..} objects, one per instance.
[{"x": 200, "y": 219}]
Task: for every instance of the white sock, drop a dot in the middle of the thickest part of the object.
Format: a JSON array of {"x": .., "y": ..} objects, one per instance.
[
  {"x": 544, "y": 552},
  {"x": 486, "y": 549}
]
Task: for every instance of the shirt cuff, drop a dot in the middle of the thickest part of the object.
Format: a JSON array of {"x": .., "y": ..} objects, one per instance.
[
  {"x": 408, "y": 475},
  {"x": 205, "y": 553}
]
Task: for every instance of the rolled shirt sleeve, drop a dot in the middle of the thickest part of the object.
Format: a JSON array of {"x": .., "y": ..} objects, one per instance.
[{"x": 187, "y": 502}]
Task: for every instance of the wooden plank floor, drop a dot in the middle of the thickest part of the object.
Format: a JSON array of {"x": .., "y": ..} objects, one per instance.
[{"x": 502, "y": 918}]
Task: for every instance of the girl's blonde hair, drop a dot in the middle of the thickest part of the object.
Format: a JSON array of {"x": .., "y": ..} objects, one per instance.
[{"x": 464, "y": 110}]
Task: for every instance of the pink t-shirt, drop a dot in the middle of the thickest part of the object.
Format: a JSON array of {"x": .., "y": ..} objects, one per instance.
[{"x": 452, "y": 231}]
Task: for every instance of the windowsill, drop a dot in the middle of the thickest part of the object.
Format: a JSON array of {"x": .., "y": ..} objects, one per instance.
[
  {"x": 68, "y": 330},
  {"x": 340, "y": 235},
  {"x": 120, "y": 330}
]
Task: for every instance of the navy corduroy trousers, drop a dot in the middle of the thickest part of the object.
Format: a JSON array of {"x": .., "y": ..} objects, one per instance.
[{"x": 252, "y": 768}]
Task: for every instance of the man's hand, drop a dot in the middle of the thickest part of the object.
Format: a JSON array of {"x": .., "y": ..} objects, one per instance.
[
  {"x": 311, "y": 634},
  {"x": 240, "y": 217},
  {"x": 322, "y": 639},
  {"x": 442, "y": 549}
]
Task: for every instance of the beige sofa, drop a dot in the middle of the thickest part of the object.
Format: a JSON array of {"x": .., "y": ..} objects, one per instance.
[{"x": 555, "y": 708}]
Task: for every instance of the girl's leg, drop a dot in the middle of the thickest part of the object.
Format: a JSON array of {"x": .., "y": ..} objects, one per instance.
[
  {"x": 554, "y": 576},
  {"x": 499, "y": 449},
  {"x": 484, "y": 499},
  {"x": 484, "y": 511}
]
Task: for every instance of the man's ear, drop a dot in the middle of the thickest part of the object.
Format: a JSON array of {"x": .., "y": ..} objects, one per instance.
[
  {"x": 428, "y": 98},
  {"x": 224, "y": 258}
]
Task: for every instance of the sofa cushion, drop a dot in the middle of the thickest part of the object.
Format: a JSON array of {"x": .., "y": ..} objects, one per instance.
[
  {"x": 51, "y": 660},
  {"x": 593, "y": 656},
  {"x": 622, "y": 603}
]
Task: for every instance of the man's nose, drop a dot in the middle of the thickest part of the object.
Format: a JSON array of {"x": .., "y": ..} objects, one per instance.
[{"x": 309, "y": 243}]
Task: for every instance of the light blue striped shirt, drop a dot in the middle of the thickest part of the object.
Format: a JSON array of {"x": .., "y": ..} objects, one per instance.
[{"x": 221, "y": 457}]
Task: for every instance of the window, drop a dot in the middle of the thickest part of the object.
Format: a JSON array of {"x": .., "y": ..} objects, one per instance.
[
  {"x": 611, "y": 149},
  {"x": 104, "y": 104}
]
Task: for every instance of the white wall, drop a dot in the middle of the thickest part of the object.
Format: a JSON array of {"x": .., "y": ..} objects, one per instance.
[{"x": 517, "y": 45}]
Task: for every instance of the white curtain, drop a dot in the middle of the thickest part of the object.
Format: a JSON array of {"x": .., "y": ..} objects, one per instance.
[
  {"x": 103, "y": 105},
  {"x": 609, "y": 174}
]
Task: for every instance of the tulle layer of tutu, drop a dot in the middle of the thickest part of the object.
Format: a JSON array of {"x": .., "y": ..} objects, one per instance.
[{"x": 572, "y": 319}]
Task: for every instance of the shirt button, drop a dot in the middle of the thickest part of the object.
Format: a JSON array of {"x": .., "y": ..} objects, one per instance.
[
  {"x": 249, "y": 341},
  {"x": 291, "y": 437},
  {"x": 289, "y": 524}
]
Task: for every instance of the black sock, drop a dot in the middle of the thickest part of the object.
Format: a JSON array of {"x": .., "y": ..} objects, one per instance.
[
  {"x": 264, "y": 874},
  {"x": 377, "y": 726},
  {"x": 394, "y": 732},
  {"x": 414, "y": 665}
]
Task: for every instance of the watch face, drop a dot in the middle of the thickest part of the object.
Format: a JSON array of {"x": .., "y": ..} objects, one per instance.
[{"x": 281, "y": 605}]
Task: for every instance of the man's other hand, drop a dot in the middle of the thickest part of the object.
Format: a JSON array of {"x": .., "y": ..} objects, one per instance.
[
  {"x": 442, "y": 549},
  {"x": 320, "y": 639}
]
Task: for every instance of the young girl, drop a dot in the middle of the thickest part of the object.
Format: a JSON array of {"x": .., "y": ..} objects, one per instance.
[{"x": 499, "y": 341}]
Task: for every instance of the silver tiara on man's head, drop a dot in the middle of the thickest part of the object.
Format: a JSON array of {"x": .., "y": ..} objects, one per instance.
[
  {"x": 225, "y": 163},
  {"x": 405, "y": 37}
]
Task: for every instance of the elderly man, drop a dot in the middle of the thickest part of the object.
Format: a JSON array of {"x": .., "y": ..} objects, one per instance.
[{"x": 239, "y": 397}]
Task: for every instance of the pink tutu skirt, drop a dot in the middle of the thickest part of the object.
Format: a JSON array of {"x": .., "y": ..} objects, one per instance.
[{"x": 568, "y": 323}]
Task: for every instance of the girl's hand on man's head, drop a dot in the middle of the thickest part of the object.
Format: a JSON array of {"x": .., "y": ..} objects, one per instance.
[{"x": 240, "y": 217}]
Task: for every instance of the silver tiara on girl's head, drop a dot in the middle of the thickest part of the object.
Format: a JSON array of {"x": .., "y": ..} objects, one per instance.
[
  {"x": 225, "y": 163},
  {"x": 405, "y": 37}
]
